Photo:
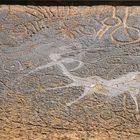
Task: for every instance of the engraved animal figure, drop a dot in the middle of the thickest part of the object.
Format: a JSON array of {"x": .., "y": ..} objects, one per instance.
[{"x": 129, "y": 83}]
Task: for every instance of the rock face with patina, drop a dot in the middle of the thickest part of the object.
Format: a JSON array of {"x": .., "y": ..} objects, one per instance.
[{"x": 69, "y": 73}]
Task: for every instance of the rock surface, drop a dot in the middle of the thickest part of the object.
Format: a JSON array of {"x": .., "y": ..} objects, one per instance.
[{"x": 69, "y": 73}]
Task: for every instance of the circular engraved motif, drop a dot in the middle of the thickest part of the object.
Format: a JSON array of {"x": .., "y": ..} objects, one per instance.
[{"x": 112, "y": 21}]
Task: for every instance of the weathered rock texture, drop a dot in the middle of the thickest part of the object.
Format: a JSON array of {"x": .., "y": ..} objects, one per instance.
[{"x": 69, "y": 73}]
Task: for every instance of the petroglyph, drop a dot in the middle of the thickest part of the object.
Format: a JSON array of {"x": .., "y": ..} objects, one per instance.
[
  {"x": 108, "y": 23},
  {"x": 69, "y": 72},
  {"x": 125, "y": 84},
  {"x": 127, "y": 33}
]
